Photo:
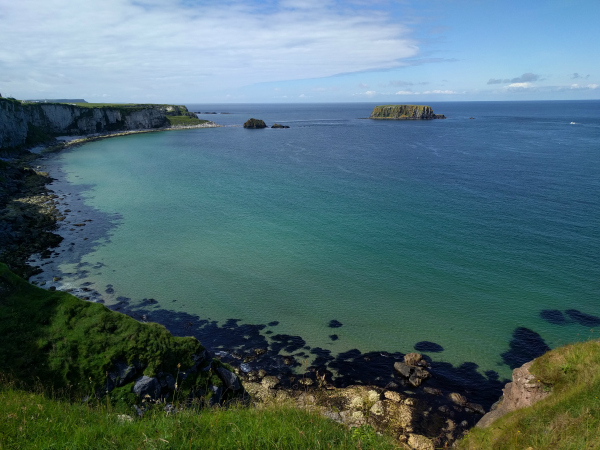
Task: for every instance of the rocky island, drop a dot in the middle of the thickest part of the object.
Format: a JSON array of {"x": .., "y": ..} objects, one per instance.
[{"x": 404, "y": 112}]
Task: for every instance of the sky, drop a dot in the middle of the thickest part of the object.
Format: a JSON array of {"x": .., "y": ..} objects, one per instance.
[{"x": 270, "y": 51}]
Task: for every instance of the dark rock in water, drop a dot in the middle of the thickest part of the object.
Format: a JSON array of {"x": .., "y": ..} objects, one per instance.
[
  {"x": 147, "y": 386},
  {"x": 525, "y": 346},
  {"x": 553, "y": 316},
  {"x": 334, "y": 337},
  {"x": 277, "y": 125},
  {"x": 274, "y": 323},
  {"x": 255, "y": 123},
  {"x": 229, "y": 378},
  {"x": 586, "y": 320},
  {"x": 428, "y": 347},
  {"x": 471, "y": 118},
  {"x": 334, "y": 324}
]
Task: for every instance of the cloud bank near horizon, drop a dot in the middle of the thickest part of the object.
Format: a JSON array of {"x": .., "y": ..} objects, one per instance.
[{"x": 58, "y": 47}]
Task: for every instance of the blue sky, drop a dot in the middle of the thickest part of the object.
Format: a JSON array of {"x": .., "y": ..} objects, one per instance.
[{"x": 402, "y": 51}]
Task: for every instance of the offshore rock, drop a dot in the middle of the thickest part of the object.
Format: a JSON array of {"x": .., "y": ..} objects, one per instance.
[
  {"x": 404, "y": 112},
  {"x": 278, "y": 125},
  {"x": 255, "y": 123}
]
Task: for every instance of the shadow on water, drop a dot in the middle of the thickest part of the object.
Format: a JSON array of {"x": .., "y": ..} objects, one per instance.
[
  {"x": 556, "y": 317},
  {"x": 525, "y": 345},
  {"x": 247, "y": 347}
]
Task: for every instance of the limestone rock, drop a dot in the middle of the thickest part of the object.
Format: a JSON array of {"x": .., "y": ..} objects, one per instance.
[
  {"x": 393, "y": 396},
  {"x": 457, "y": 399},
  {"x": 522, "y": 392},
  {"x": 418, "y": 442},
  {"x": 413, "y": 359}
]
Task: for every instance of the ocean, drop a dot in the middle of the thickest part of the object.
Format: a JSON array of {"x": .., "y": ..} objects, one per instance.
[{"x": 474, "y": 241}]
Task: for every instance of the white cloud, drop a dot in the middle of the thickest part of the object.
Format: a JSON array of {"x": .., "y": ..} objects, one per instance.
[
  {"x": 589, "y": 86},
  {"x": 519, "y": 86},
  {"x": 370, "y": 93},
  {"x": 438, "y": 91},
  {"x": 406, "y": 93},
  {"x": 149, "y": 47}
]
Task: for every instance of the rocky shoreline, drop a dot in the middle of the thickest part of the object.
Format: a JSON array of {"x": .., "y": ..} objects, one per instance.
[{"x": 423, "y": 402}]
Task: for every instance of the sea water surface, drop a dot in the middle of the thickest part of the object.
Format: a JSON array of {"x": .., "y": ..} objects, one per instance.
[{"x": 455, "y": 231}]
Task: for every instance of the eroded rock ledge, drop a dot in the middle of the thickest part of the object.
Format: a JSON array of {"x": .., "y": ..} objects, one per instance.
[{"x": 404, "y": 112}]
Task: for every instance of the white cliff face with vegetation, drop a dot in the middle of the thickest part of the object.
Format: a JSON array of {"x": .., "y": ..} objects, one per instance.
[{"x": 24, "y": 123}]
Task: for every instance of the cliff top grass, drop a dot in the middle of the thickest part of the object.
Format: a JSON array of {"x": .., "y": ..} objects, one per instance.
[
  {"x": 179, "y": 121},
  {"x": 38, "y": 421},
  {"x": 569, "y": 418},
  {"x": 68, "y": 342}
]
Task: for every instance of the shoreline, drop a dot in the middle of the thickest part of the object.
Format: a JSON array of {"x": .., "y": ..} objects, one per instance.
[
  {"x": 81, "y": 228},
  {"x": 256, "y": 355}
]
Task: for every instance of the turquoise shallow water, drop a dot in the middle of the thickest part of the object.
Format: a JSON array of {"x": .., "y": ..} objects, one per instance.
[{"x": 452, "y": 231}]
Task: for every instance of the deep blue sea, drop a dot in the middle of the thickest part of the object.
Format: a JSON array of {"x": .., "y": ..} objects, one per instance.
[{"x": 471, "y": 240}]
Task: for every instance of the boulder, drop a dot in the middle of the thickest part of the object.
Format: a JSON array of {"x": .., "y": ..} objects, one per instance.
[
  {"x": 146, "y": 386},
  {"x": 230, "y": 379},
  {"x": 524, "y": 391},
  {"x": 277, "y": 125},
  {"x": 413, "y": 359},
  {"x": 255, "y": 123},
  {"x": 122, "y": 374},
  {"x": 415, "y": 375},
  {"x": 418, "y": 442}
]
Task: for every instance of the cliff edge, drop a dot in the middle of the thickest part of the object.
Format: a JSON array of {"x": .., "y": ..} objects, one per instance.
[
  {"x": 29, "y": 123},
  {"x": 404, "y": 112}
]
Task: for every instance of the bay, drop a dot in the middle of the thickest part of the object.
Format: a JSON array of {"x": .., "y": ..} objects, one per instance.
[{"x": 456, "y": 231}]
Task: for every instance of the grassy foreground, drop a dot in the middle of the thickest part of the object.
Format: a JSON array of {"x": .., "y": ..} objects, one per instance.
[
  {"x": 569, "y": 418},
  {"x": 54, "y": 353},
  {"x": 35, "y": 421}
]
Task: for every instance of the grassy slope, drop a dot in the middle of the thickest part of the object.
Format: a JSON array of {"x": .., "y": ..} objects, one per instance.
[
  {"x": 175, "y": 121},
  {"x": 34, "y": 421},
  {"x": 64, "y": 341},
  {"x": 567, "y": 419},
  {"x": 53, "y": 343}
]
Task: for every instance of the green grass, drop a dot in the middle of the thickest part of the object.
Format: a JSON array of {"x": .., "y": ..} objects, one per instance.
[
  {"x": 66, "y": 341},
  {"x": 569, "y": 418},
  {"x": 34, "y": 420},
  {"x": 176, "y": 121},
  {"x": 55, "y": 350}
]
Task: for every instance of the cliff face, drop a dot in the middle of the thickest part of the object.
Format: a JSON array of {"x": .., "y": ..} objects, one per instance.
[
  {"x": 28, "y": 123},
  {"x": 405, "y": 112}
]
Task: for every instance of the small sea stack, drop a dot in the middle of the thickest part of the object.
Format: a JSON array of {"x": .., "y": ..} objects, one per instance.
[
  {"x": 404, "y": 112},
  {"x": 255, "y": 123}
]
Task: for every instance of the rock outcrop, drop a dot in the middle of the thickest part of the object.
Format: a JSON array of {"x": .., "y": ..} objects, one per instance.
[
  {"x": 522, "y": 392},
  {"x": 23, "y": 123},
  {"x": 278, "y": 125},
  {"x": 404, "y": 112},
  {"x": 255, "y": 123}
]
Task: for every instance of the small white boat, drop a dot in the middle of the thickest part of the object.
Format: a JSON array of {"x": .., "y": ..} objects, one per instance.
[{"x": 573, "y": 123}]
